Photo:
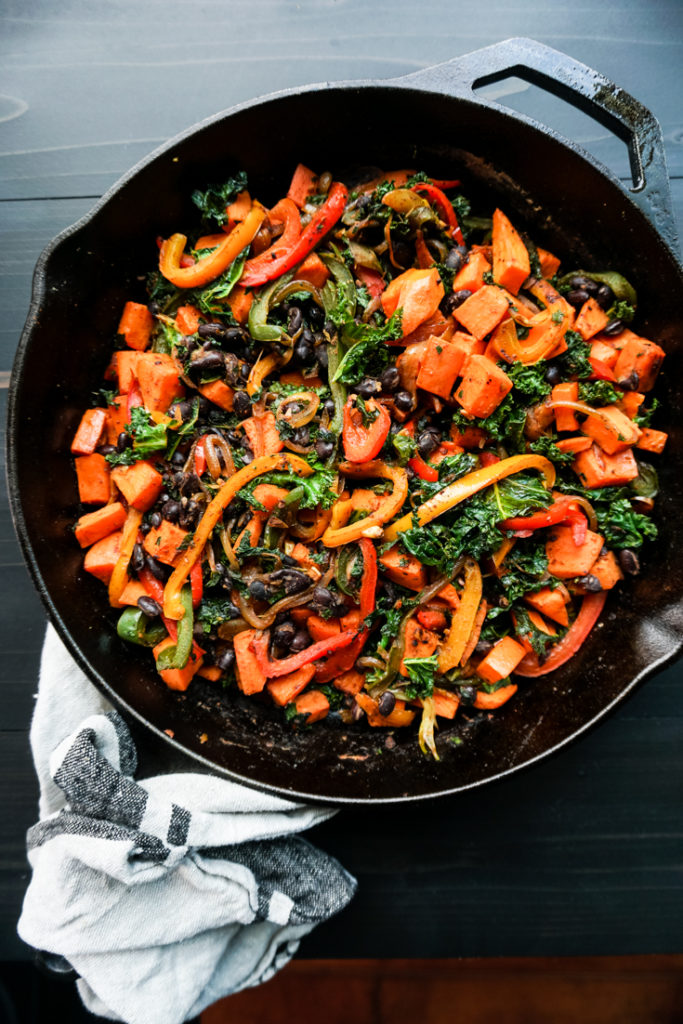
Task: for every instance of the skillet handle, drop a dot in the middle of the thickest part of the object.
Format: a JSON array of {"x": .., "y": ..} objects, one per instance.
[{"x": 583, "y": 88}]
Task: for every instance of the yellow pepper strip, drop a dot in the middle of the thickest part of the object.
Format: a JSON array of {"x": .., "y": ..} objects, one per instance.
[
  {"x": 462, "y": 623},
  {"x": 499, "y": 556},
  {"x": 259, "y": 371},
  {"x": 214, "y": 263},
  {"x": 119, "y": 577},
  {"x": 466, "y": 487},
  {"x": 173, "y": 608},
  {"x": 337, "y": 533}
]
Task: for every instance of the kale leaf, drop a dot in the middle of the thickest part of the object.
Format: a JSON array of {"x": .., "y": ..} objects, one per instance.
[
  {"x": 575, "y": 361},
  {"x": 421, "y": 672},
  {"x": 213, "y": 200},
  {"x": 368, "y": 354}
]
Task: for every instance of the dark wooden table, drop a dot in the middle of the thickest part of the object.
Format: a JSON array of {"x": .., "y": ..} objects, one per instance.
[{"x": 582, "y": 854}]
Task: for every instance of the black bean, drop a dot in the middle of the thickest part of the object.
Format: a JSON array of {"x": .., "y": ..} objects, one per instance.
[
  {"x": 154, "y": 308},
  {"x": 404, "y": 401},
  {"x": 160, "y": 571},
  {"x": 328, "y": 406},
  {"x": 629, "y": 562},
  {"x": 149, "y": 606},
  {"x": 300, "y": 641},
  {"x": 258, "y": 590},
  {"x": 324, "y": 449},
  {"x": 292, "y": 580},
  {"x": 322, "y": 597},
  {"x": 226, "y": 661},
  {"x": 105, "y": 449},
  {"x": 178, "y": 459},
  {"x": 630, "y": 383},
  {"x": 390, "y": 379},
  {"x": 468, "y": 695},
  {"x": 206, "y": 366},
  {"x": 614, "y": 327},
  {"x": 427, "y": 442},
  {"x": 290, "y": 562},
  {"x": 295, "y": 319},
  {"x": 155, "y": 520},
  {"x": 137, "y": 560},
  {"x": 591, "y": 583},
  {"x": 124, "y": 441},
  {"x": 338, "y": 608},
  {"x": 586, "y": 284},
  {"x": 461, "y": 296},
  {"x": 234, "y": 335},
  {"x": 576, "y": 297},
  {"x": 386, "y": 703},
  {"x": 483, "y": 647},
  {"x": 302, "y": 436},
  {"x": 216, "y": 331},
  {"x": 604, "y": 296},
  {"x": 203, "y": 406},
  {"x": 322, "y": 356},
  {"x": 198, "y": 630},
  {"x": 553, "y": 375},
  {"x": 316, "y": 317},
  {"x": 284, "y": 634},
  {"x": 303, "y": 350},
  {"x": 402, "y": 253},
  {"x": 369, "y": 387},
  {"x": 448, "y": 304},
  {"x": 241, "y": 404},
  {"x": 181, "y": 410},
  {"x": 188, "y": 516},
  {"x": 170, "y": 510},
  {"x": 455, "y": 259}
]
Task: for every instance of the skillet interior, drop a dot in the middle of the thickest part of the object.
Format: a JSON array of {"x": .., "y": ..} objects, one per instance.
[{"x": 567, "y": 204}]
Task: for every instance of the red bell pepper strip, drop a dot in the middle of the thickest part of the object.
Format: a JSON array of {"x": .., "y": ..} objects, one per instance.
[
  {"x": 445, "y": 208},
  {"x": 362, "y": 443},
  {"x": 199, "y": 457},
  {"x": 567, "y": 647},
  {"x": 197, "y": 583},
  {"x": 325, "y": 219},
  {"x": 369, "y": 585},
  {"x": 601, "y": 371},
  {"x": 372, "y": 279},
  {"x": 287, "y": 212},
  {"x": 444, "y": 183},
  {"x": 488, "y": 458},
  {"x": 155, "y": 590},
  {"x": 282, "y": 667},
  {"x": 423, "y": 469},
  {"x": 556, "y": 513}
]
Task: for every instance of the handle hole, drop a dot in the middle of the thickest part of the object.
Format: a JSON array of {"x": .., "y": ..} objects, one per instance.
[{"x": 516, "y": 93}]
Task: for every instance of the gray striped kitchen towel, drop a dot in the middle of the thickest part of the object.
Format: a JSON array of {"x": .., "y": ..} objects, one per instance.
[{"x": 165, "y": 893}]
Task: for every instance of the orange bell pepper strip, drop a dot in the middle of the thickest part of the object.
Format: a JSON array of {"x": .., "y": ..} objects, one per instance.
[
  {"x": 214, "y": 263},
  {"x": 173, "y": 608},
  {"x": 466, "y": 487},
  {"x": 119, "y": 577},
  {"x": 338, "y": 532},
  {"x": 589, "y": 613},
  {"x": 462, "y": 623}
]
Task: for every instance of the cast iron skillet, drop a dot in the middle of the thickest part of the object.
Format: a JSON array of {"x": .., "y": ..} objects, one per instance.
[{"x": 431, "y": 120}]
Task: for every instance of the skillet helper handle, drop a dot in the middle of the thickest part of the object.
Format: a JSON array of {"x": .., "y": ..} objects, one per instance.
[{"x": 583, "y": 88}]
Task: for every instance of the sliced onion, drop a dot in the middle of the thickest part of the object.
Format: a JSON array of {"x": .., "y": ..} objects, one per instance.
[
  {"x": 297, "y": 285},
  {"x": 305, "y": 415},
  {"x": 227, "y": 630},
  {"x": 302, "y": 449},
  {"x": 217, "y": 451},
  {"x": 588, "y": 509}
]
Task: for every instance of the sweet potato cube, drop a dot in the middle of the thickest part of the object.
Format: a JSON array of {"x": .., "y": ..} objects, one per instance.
[
  {"x": 93, "y": 526},
  {"x": 322, "y": 629},
  {"x": 250, "y": 678},
  {"x": 418, "y": 293},
  {"x": 117, "y": 417},
  {"x": 652, "y": 440},
  {"x": 90, "y": 431},
  {"x": 140, "y": 484},
  {"x": 591, "y": 319},
  {"x": 567, "y": 559},
  {"x": 351, "y": 682},
  {"x": 612, "y": 430},
  {"x": 549, "y": 264},
  {"x": 631, "y": 402},
  {"x": 126, "y": 364},
  {"x": 482, "y": 311},
  {"x": 159, "y": 382},
  {"x": 286, "y": 688},
  {"x": 163, "y": 542},
  {"x": 607, "y": 354},
  {"x": 471, "y": 277},
  {"x": 595, "y": 468},
  {"x": 552, "y": 602},
  {"x": 187, "y": 318},
  {"x": 445, "y": 704},
  {"x": 511, "y": 265},
  {"x": 314, "y": 705},
  {"x": 313, "y": 270},
  {"x": 606, "y": 570},
  {"x": 483, "y": 387},
  {"x": 642, "y": 357},
  {"x": 501, "y": 660},
  {"x": 420, "y": 643},
  {"x": 101, "y": 558},
  {"x": 178, "y": 678},
  {"x": 136, "y": 325},
  {"x": 93, "y": 479},
  {"x": 131, "y": 593},
  {"x": 490, "y": 701},
  {"x": 440, "y": 365},
  {"x": 565, "y": 419},
  {"x": 218, "y": 392},
  {"x": 403, "y": 568}
]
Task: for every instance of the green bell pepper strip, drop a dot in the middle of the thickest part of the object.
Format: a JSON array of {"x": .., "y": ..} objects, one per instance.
[
  {"x": 339, "y": 295},
  {"x": 259, "y": 329},
  {"x": 137, "y": 628},
  {"x": 177, "y": 655}
]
